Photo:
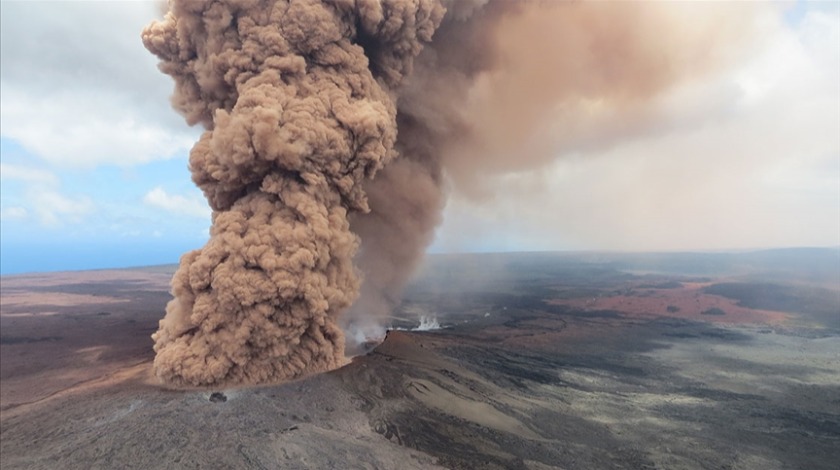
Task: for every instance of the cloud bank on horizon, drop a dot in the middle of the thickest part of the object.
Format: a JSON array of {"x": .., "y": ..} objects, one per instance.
[{"x": 746, "y": 155}]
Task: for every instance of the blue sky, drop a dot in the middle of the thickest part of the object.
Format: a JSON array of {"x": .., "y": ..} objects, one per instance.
[
  {"x": 94, "y": 161},
  {"x": 107, "y": 216}
]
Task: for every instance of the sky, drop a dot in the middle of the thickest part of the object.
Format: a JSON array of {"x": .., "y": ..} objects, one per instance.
[{"x": 93, "y": 160}]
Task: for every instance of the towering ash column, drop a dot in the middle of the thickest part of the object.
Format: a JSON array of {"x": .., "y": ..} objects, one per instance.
[
  {"x": 299, "y": 109},
  {"x": 314, "y": 189}
]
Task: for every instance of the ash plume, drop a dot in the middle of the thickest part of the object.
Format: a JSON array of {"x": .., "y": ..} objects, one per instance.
[{"x": 335, "y": 129}]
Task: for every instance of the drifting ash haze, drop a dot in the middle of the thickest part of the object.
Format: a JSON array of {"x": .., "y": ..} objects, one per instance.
[{"x": 335, "y": 129}]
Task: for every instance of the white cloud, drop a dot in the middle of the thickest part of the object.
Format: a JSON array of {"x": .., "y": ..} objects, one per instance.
[
  {"x": 13, "y": 213},
  {"x": 54, "y": 209},
  {"x": 177, "y": 204},
  {"x": 79, "y": 89},
  {"x": 42, "y": 197},
  {"x": 27, "y": 174},
  {"x": 86, "y": 128}
]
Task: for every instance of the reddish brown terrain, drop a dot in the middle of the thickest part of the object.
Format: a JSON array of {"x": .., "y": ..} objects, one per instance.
[
  {"x": 543, "y": 361},
  {"x": 65, "y": 331},
  {"x": 686, "y": 300}
]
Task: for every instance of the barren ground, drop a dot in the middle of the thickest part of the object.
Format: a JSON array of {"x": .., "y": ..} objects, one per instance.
[{"x": 543, "y": 362}]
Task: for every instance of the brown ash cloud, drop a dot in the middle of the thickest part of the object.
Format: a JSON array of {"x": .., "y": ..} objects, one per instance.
[{"x": 335, "y": 130}]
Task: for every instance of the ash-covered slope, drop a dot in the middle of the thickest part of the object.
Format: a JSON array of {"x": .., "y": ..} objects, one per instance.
[{"x": 455, "y": 400}]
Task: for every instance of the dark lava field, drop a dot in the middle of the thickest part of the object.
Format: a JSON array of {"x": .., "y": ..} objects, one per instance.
[{"x": 541, "y": 361}]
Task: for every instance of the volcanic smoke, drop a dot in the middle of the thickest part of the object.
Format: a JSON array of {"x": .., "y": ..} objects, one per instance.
[{"x": 335, "y": 128}]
